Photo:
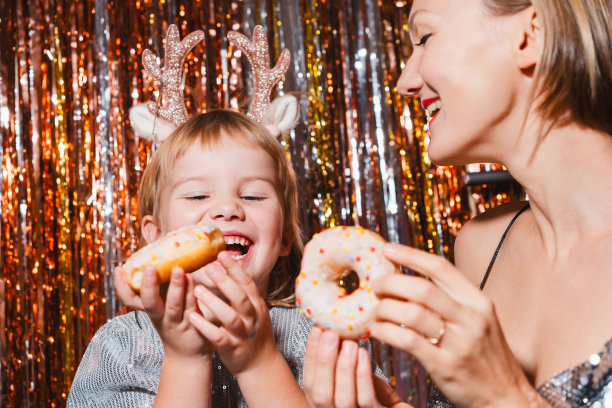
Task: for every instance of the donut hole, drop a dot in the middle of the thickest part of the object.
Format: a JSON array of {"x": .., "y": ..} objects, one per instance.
[{"x": 349, "y": 281}]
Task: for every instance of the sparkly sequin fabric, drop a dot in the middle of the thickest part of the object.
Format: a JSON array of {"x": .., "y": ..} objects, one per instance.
[
  {"x": 122, "y": 364},
  {"x": 587, "y": 385}
]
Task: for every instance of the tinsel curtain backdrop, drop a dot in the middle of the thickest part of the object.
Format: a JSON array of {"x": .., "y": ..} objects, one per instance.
[{"x": 71, "y": 164}]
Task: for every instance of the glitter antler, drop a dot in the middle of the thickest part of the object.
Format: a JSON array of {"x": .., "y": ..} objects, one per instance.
[
  {"x": 264, "y": 78},
  {"x": 171, "y": 76}
]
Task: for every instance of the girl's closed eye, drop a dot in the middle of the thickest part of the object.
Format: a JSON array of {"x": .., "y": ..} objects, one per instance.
[
  {"x": 196, "y": 197},
  {"x": 253, "y": 197}
]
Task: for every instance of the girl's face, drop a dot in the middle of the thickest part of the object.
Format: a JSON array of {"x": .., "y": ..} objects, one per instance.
[
  {"x": 461, "y": 70},
  {"x": 232, "y": 186}
]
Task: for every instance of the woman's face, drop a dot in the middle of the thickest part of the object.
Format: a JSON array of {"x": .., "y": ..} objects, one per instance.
[{"x": 462, "y": 69}]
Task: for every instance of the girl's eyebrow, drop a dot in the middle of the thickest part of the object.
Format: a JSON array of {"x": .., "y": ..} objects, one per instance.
[
  {"x": 188, "y": 179},
  {"x": 267, "y": 180},
  {"x": 246, "y": 179}
]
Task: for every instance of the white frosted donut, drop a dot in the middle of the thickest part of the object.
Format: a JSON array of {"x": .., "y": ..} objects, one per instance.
[
  {"x": 328, "y": 258},
  {"x": 189, "y": 247}
]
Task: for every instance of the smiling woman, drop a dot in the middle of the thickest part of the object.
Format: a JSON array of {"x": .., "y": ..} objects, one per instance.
[{"x": 523, "y": 317}]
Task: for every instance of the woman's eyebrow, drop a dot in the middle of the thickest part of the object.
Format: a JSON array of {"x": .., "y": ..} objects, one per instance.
[{"x": 412, "y": 17}]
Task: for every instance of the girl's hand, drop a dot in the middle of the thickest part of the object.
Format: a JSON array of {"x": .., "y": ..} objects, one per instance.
[
  {"x": 342, "y": 376},
  {"x": 452, "y": 329},
  {"x": 240, "y": 331},
  {"x": 169, "y": 315}
]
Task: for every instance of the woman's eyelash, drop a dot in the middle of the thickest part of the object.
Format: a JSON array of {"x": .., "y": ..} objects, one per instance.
[{"x": 424, "y": 39}]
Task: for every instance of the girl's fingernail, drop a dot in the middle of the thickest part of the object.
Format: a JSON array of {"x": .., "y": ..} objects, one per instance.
[
  {"x": 149, "y": 272},
  {"x": 199, "y": 291},
  {"x": 212, "y": 272}
]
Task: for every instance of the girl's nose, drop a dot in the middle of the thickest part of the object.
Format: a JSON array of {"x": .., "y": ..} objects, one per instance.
[
  {"x": 226, "y": 209},
  {"x": 410, "y": 81}
]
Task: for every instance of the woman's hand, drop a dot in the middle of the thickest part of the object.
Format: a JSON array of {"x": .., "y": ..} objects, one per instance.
[
  {"x": 239, "y": 328},
  {"x": 451, "y": 328},
  {"x": 169, "y": 315},
  {"x": 339, "y": 374}
]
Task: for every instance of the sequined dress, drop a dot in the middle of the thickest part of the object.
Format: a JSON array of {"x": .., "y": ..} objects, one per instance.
[
  {"x": 122, "y": 364},
  {"x": 588, "y": 384}
]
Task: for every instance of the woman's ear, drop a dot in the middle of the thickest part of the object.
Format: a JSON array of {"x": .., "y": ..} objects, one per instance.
[
  {"x": 528, "y": 39},
  {"x": 150, "y": 230}
]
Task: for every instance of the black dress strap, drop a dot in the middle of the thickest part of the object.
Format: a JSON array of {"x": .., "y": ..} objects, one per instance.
[{"x": 501, "y": 241}]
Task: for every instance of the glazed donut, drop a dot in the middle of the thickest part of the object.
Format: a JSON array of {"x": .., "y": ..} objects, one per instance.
[
  {"x": 331, "y": 257},
  {"x": 189, "y": 247}
]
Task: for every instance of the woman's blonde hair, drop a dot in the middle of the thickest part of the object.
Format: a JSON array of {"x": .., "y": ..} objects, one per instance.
[
  {"x": 211, "y": 128},
  {"x": 573, "y": 77}
]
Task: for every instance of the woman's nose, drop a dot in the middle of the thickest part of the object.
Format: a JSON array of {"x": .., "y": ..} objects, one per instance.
[
  {"x": 410, "y": 81},
  {"x": 226, "y": 209}
]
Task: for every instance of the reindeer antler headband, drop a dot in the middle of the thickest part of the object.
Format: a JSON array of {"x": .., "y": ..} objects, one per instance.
[
  {"x": 264, "y": 78},
  {"x": 158, "y": 120}
]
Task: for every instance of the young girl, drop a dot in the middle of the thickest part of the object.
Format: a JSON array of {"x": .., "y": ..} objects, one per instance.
[
  {"x": 224, "y": 169},
  {"x": 524, "y": 317}
]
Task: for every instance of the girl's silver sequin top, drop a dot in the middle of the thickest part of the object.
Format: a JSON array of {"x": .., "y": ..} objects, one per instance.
[{"x": 122, "y": 364}]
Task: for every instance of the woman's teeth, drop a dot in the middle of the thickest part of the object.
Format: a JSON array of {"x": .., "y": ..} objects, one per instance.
[{"x": 434, "y": 108}]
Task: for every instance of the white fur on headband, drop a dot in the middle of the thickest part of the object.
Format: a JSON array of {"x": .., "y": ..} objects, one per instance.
[
  {"x": 148, "y": 126},
  {"x": 282, "y": 116}
]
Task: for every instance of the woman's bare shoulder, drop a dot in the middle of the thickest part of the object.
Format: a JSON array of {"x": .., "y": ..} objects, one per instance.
[{"x": 478, "y": 238}]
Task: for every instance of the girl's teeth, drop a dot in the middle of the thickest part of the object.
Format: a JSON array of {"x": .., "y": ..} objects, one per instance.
[{"x": 237, "y": 257}]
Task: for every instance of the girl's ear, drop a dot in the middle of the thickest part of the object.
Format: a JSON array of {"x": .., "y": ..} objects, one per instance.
[
  {"x": 285, "y": 245},
  {"x": 528, "y": 39},
  {"x": 150, "y": 230}
]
